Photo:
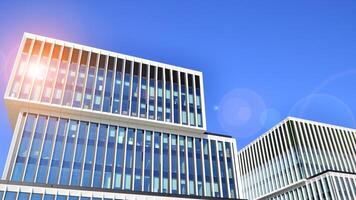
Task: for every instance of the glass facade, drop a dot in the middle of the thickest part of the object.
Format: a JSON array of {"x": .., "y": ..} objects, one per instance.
[
  {"x": 72, "y": 77},
  {"x": 292, "y": 151},
  {"x": 98, "y": 155}
]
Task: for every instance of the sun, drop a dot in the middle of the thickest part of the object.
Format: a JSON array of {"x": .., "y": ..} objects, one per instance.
[{"x": 36, "y": 71}]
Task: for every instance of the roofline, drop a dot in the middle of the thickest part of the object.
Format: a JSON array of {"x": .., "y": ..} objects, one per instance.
[
  {"x": 112, "y": 53},
  {"x": 291, "y": 118}
]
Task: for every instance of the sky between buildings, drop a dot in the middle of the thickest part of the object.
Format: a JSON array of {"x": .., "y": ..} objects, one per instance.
[{"x": 262, "y": 60}]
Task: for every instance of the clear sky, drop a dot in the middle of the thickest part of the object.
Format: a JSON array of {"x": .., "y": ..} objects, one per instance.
[{"x": 262, "y": 60}]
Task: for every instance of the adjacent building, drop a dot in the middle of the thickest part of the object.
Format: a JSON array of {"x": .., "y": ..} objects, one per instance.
[
  {"x": 94, "y": 124},
  {"x": 300, "y": 159}
]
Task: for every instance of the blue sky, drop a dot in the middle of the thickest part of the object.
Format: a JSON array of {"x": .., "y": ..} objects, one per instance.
[{"x": 262, "y": 60}]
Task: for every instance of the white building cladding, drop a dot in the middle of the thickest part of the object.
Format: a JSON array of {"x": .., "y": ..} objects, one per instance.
[
  {"x": 116, "y": 125},
  {"x": 299, "y": 152}
]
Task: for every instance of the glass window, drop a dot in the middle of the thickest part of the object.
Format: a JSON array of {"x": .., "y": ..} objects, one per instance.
[
  {"x": 108, "y": 85},
  {"x": 222, "y": 170},
  {"x": 23, "y": 148},
  {"x": 191, "y": 166},
  {"x": 22, "y": 196},
  {"x": 191, "y": 100},
  {"x": 215, "y": 168},
  {"x": 134, "y": 103},
  {"x": 230, "y": 168},
  {"x": 79, "y": 87},
  {"x": 160, "y": 95},
  {"x": 198, "y": 100},
  {"x": 48, "y": 197},
  {"x": 119, "y": 157},
  {"x": 148, "y": 164},
  {"x": 89, "y": 156},
  {"x": 157, "y": 162},
  {"x": 70, "y": 81},
  {"x": 138, "y": 161},
  {"x": 51, "y": 74},
  {"x": 126, "y": 93},
  {"x": 143, "y": 97},
  {"x": 174, "y": 164},
  {"x": 129, "y": 158},
  {"x": 168, "y": 96},
  {"x": 79, "y": 153},
  {"x": 88, "y": 97},
  {"x": 151, "y": 110},
  {"x": 100, "y": 155},
  {"x": 183, "y": 173},
  {"x": 35, "y": 196},
  {"x": 183, "y": 93},
  {"x": 99, "y": 87},
  {"x": 57, "y": 152},
  {"x": 198, "y": 156},
  {"x": 165, "y": 163},
  {"x": 208, "y": 183},
  {"x": 108, "y": 176},
  {"x": 47, "y": 150},
  {"x": 68, "y": 154},
  {"x": 61, "y": 76},
  {"x": 117, "y": 86},
  {"x": 35, "y": 149},
  {"x": 10, "y": 195},
  {"x": 176, "y": 100}
]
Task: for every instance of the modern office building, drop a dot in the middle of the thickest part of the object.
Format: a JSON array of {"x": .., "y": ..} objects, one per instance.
[
  {"x": 300, "y": 159},
  {"x": 94, "y": 124}
]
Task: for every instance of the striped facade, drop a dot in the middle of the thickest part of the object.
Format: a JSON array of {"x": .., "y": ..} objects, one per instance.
[
  {"x": 291, "y": 152},
  {"x": 118, "y": 126}
]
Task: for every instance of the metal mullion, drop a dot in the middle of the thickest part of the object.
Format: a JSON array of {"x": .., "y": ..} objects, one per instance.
[
  {"x": 134, "y": 160},
  {"x": 202, "y": 102},
  {"x": 226, "y": 171},
  {"x": 310, "y": 149},
  {"x": 172, "y": 95},
  {"x": 259, "y": 167},
  {"x": 85, "y": 79},
  {"x": 262, "y": 167},
  {"x": 277, "y": 163},
  {"x": 152, "y": 159},
  {"x": 66, "y": 76},
  {"x": 104, "y": 82},
  {"x": 64, "y": 149},
  {"x": 84, "y": 154},
  {"x": 122, "y": 83},
  {"x": 143, "y": 160},
  {"x": 187, "y": 98},
  {"x": 124, "y": 158},
  {"x": 292, "y": 151},
  {"x": 138, "y": 106},
  {"x": 164, "y": 94},
  {"x": 131, "y": 86},
  {"x": 161, "y": 164},
  {"x": 55, "y": 80},
  {"x": 203, "y": 165},
  {"x": 95, "y": 81},
  {"x": 248, "y": 173},
  {"x": 52, "y": 149},
  {"x": 41, "y": 148},
  {"x": 25, "y": 71},
  {"x": 18, "y": 133},
  {"x": 321, "y": 135},
  {"x": 95, "y": 152},
  {"x": 195, "y": 168},
  {"x": 287, "y": 143},
  {"x": 304, "y": 153},
  {"x": 148, "y": 80},
  {"x": 179, "y": 98},
  {"x": 115, "y": 153},
  {"x": 335, "y": 149},
  {"x": 74, "y": 152},
  {"x": 283, "y": 154},
  {"x": 349, "y": 147},
  {"x": 76, "y": 75},
  {"x": 178, "y": 165},
  {"x": 342, "y": 145},
  {"x": 37, "y": 62},
  {"x": 105, "y": 153},
  {"x": 315, "y": 148},
  {"x": 257, "y": 175},
  {"x": 17, "y": 64},
  {"x": 170, "y": 163},
  {"x": 30, "y": 145},
  {"x": 195, "y": 101},
  {"x": 318, "y": 147},
  {"x": 266, "y": 160},
  {"x": 48, "y": 68},
  {"x": 212, "y": 185},
  {"x": 113, "y": 86},
  {"x": 187, "y": 164},
  {"x": 156, "y": 94}
]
